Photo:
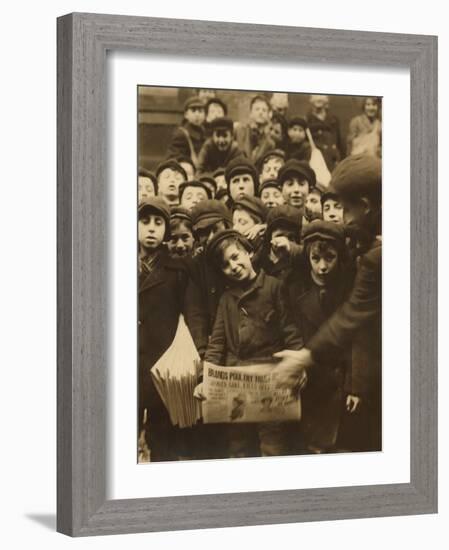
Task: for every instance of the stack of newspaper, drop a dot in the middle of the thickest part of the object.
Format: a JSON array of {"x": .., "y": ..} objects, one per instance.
[{"x": 175, "y": 376}]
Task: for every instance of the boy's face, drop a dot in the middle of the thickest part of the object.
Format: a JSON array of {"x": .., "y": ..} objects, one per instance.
[
  {"x": 313, "y": 206},
  {"x": 276, "y": 132},
  {"x": 205, "y": 234},
  {"x": 193, "y": 195},
  {"x": 323, "y": 260},
  {"x": 371, "y": 108},
  {"x": 271, "y": 168},
  {"x": 236, "y": 264},
  {"x": 195, "y": 115},
  {"x": 271, "y": 197},
  {"x": 169, "y": 181},
  {"x": 181, "y": 241},
  {"x": 294, "y": 189},
  {"x": 221, "y": 182},
  {"x": 214, "y": 111},
  {"x": 332, "y": 211},
  {"x": 358, "y": 214},
  {"x": 146, "y": 188},
  {"x": 222, "y": 139},
  {"x": 242, "y": 221},
  {"x": 151, "y": 231},
  {"x": 188, "y": 169},
  {"x": 296, "y": 133},
  {"x": 241, "y": 185},
  {"x": 259, "y": 112}
]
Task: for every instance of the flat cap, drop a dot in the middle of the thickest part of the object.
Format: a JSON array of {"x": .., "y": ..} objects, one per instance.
[
  {"x": 322, "y": 230},
  {"x": 253, "y": 205},
  {"x": 208, "y": 212},
  {"x": 222, "y": 123},
  {"x": 358, "y": 175},
  {"x": 193, "y": 102},
  {"x": 297, "y": 167},
  {"x": 220, "y": 236}
]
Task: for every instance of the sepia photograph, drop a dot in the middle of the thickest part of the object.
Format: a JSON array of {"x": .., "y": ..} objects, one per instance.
[{"x": 259, "y": 228}]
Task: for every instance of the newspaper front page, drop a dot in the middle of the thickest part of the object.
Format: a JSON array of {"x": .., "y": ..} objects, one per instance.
[{"x": 246, "y": 394}]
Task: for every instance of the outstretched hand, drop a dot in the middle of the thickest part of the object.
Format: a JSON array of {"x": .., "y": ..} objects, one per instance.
[{"x": 290, "y": 371}]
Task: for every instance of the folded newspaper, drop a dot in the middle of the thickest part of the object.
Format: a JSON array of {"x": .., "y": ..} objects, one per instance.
[
  {"x": 246, "y": 394},
  {"x": 175, "y": 376}
]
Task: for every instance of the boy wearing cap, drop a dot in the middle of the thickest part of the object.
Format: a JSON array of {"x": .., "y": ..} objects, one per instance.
[
  {"x": 331, "y": 205},
  {"x": 180, "y": 244},
  {"x": 356, "y": 325},
  {"x": 147, "y": 185},
  {"x": 312, "y": 206},
  {"x": 281, "y": 242},
  {"x": 327, "y": 280},
  {"x": 298, "y": 146},
  {"x": 253, "y": 137},
  {"x": 188, "y": 138},
  {"x": 241, "y": 177},
  {"x": 162, "y": 283},
  {"x": 270, "y": 193},
  {"x": 220, "y": 148},
  {"x": 252, "y": 322},
  {"x": 248, "y": 218},
  {"x": 296, "y": 179},
  {"x": 170, "y": 174},
  {"x": 270, "y": 164},
  {"x": 215, "y": 108},
  {"x": 193, "y": 192}
]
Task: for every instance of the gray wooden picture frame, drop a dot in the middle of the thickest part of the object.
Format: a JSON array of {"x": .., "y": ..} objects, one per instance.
[{"x": 83, "y": 41}]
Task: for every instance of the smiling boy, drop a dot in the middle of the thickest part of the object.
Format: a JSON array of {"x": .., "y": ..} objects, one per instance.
[
  {"x": 296, "y": 179},
  {"x": 220, "y": 148},
  {"x": 252, "y": 321}
]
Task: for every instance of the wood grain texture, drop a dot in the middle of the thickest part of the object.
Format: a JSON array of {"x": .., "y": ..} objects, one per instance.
[{"x": 83, "y": 40}]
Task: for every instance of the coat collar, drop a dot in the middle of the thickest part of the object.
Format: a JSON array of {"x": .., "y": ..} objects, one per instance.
[{"x": 236, "y": 291}]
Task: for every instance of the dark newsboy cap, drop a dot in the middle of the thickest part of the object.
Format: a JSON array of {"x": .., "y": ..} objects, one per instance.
[
  {"x": 208, "y": 212},
  {"x": 358, "y": 176},
  {"x": 297, "y": 167},
  {"x": 323, "y": 230},
  {"x": 253, "y": 205},
  {"x": 222, "y": 123},
  {"x": 220, "y": 236}
]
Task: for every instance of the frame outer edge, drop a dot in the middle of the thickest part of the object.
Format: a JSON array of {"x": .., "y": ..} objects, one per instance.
[
  {"x": 82, "y": 341},
  {"x": 64, "y": 274},
  {"x": 424, "y": 274}
]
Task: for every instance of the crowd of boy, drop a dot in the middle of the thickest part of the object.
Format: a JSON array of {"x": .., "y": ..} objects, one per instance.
[{"x": 265, "y": 265}]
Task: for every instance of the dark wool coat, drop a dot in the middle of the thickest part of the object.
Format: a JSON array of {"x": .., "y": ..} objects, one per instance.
[
  {"x": 180, "y": 146},
  {"x": 204, "y": 290},
  {"x": 161, "y": 295},
  {"x": 357, "y": 323},
  {"x": 298, "y": 151},
  {"x": 210, "y": 158},
  {"x": 254, "y": 142},
  {"x": 328, "y": 381},
  {"x": 252, "y": 324}
]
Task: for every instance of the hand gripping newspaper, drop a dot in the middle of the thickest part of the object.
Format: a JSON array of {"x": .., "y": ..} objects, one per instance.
[{"x": 246, "y": 394}]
